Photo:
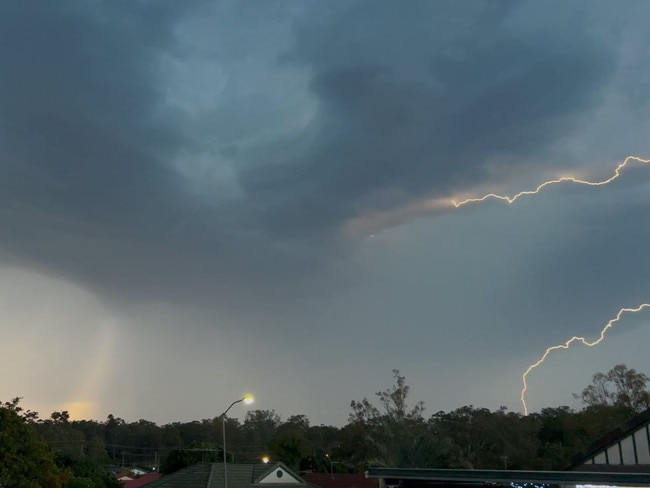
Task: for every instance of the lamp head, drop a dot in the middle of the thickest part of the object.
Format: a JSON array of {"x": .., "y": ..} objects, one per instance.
[{"x": 248, "y": 399}]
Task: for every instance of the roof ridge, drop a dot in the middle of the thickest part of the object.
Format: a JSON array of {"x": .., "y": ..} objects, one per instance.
[
  {"x": 212, "y": 466},
  {"x": 625, "y": 429}
]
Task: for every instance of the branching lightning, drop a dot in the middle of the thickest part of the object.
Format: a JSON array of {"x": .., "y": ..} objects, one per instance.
[
  {"x": 568, "y": 343},
  {"x": 511, "y": 199},
  {"x": 565, "y": 179}
]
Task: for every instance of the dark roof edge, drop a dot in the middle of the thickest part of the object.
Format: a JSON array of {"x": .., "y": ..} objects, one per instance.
[
  {"x": 504, "y": 476},
  {"x": 611, "y": 438},
  {"x": 211, "y": 476}
]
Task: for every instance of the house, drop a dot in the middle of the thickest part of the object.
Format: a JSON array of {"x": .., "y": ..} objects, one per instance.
[
  {"x": 620, "y": 458},
  {"x": 626, "y": 449},
  {"x": 473, "y": 478},
  {"x": 211, "y": 475}
]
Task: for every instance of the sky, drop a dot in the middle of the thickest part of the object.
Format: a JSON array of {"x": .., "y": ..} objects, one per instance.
[{"x": 203, "y": 199}]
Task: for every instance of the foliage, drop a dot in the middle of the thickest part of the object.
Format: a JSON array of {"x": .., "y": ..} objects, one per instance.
[
  {"x": 27, "y": 415},
  {"x": 78, "y": 482},
  {"x": 389, "y": 431},
  {"x": 25, "y": 459},
  {"x": 397, "y": 435},
  {"x": 260, "y": 426},
  {"x": 85, "y": 472},
  {"x": 290, "y": 441},
  {"x": 182, "y": 458},
  {"x": 620, "y": 387}
]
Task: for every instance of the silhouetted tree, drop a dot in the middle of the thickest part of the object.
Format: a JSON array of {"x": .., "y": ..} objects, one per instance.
[
  {"x": 620, "y": 386},
  {"x": 25, "y": 459},
  {"x": 182, "y": 458},
  {"x": 397, "y": 435},
  {"x": 85, "y": 472}
]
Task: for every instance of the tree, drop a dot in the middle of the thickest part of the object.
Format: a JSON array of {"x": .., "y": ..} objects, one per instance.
[
  {"x": 85, "y": 473},
  {"x": 475, "y": 435},
  {"x": 96, "y": 450},
  {"x": 25, "y": 459},
  {"x": 182, "y": 458},
  {"x": 397, "y": 435},
  {"x": 290, "y": 443},
  {"x": 555, "y": 436},
  {"x": 60, "y": 417},
  {"x": 327, "y": 448},
  {"x": 620, "y": 386},
  {"x": 60, "y": 433},
  {"x": 259, "y": 427}
]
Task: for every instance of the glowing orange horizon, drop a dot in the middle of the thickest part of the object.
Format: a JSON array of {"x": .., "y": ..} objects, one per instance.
[{"x": 564, "y": 179}]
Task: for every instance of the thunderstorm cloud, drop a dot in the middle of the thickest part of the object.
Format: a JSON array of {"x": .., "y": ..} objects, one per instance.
[{"x": 263, "y": 193}]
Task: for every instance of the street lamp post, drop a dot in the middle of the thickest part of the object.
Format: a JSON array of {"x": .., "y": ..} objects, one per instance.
[
  {"x": 332, "y": 463},
  {"x": 248, "y": 399}
]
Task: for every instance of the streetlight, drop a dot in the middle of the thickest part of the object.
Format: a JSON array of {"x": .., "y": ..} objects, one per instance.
[
  {"x": 332, "y": 463},
  {"x": 248, "y": 399}
]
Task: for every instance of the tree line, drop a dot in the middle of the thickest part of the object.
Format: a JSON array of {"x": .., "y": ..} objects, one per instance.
[{"x": 384, "y": 431}]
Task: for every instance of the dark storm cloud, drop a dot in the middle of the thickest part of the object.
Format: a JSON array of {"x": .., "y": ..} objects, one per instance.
[
  {"x": 88, "y": 189},
  {"x": 415, "y": 101},
  {"x": 409, "y": 103},
  {"x": 174, "y": 152},
  {"x": 83, "y": 134},
  {"x": 89, "y": 185},
  {"x": 597, "y": 265}
]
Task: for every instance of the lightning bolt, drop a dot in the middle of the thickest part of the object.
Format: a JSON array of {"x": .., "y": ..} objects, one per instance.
[
  {"x": 568, "y": 343},
  {"x": 513, "y": 198},
  {"x": 564, "y": 179}
]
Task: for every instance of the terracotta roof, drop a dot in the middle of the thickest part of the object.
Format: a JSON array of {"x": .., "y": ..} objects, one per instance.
[
  {"x": 192, "y": 476},
  {"x": 142, "y": 480},
  {"x": 340, "y": 480}
]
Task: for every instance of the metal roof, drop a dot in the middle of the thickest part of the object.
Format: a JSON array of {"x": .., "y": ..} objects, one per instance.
[
  {"x": 210, "y": 475},
  {"x": 506, "y": 476}
]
